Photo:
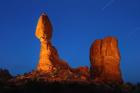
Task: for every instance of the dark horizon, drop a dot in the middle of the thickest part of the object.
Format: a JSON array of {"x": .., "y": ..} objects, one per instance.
[{"x": 76, "y": 24}]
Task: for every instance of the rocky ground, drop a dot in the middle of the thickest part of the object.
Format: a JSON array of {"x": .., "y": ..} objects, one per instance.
[{"x": 46, "y": 83}]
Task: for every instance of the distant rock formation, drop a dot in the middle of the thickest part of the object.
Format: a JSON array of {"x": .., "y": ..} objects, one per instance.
[
  {"x": 4, "y": 75},
  {"x": 105, "y": 61}
]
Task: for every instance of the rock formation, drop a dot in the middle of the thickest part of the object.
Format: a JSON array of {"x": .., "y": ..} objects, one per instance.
[
  {"x": 50, "y": 64},
  {"x": 104, "y": 57},
  {"x": 49, "y": 57},
  {"x": 105, "y": 61},
  {"x": 44, "y": 34},
  {"x": 4, "y": 75}
]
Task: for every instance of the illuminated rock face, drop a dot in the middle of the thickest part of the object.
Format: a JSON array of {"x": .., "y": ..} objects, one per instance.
[
  {"x": 44, "y": 28},
  {"x": 105, "y": 61},
  {"x": 49, "y": 59},
  {"x": 47, "y": 52},
  {"x": 104, "y": 57}
]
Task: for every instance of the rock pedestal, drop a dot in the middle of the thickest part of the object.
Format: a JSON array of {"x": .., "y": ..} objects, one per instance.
[
  {"x": 47, "y": 51},
  {"x": 105, "y": 61},
  {"x": 49, "y": 59}
]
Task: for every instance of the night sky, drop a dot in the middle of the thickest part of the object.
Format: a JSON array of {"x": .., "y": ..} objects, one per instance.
[{"x": 76, "y": 24}]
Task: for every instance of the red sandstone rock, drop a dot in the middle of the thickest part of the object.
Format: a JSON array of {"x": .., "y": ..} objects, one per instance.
[
  {"x": 44, "y": 28},
  {"x": 49, "y": 58},
  {"x": 44, "y": 34},
  {"x": 49, "y": 61},
  {"x": 104, "y": 57},
  {"x": 105, "y": 60},
  {"x": 82, "y": 72}
]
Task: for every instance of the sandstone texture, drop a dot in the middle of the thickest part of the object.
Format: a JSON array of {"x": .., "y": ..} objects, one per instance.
[
  {"x": 49, "y": 62},
  {"x": 44, "y": 28},
  {"x": 105, "y": 61},
  {"x": 44, "y": 34},
  {"x": 49, "y": 58}
]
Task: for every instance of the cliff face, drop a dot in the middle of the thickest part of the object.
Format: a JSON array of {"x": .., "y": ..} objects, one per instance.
[{"x": 105, "y": 60}]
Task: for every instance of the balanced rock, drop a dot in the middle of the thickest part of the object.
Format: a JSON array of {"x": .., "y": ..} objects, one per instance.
[
  {"x": 105, "y": 61},
  {"x": 49, "y": 57},
  {"x": 44, "y": 28}
]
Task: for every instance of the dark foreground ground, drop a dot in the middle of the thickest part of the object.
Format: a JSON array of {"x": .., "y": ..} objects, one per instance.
[
  {"x": 33, "y": 86},
  {"x": 22, "y": 84}
]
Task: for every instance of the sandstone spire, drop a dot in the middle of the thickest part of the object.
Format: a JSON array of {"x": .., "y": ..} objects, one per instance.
[
  {"x": 105, "y": 60},
  {"x": 44, "y": 34},
  {"x": 49, "y": 58}
]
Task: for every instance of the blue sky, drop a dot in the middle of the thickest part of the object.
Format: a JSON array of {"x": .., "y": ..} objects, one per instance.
[{"x": 76, "y": 24}]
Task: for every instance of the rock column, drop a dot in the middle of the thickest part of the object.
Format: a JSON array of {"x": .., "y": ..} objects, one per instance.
[
  {"x": 105, "y": 61},
  {"x": 44, "y": 34}
]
